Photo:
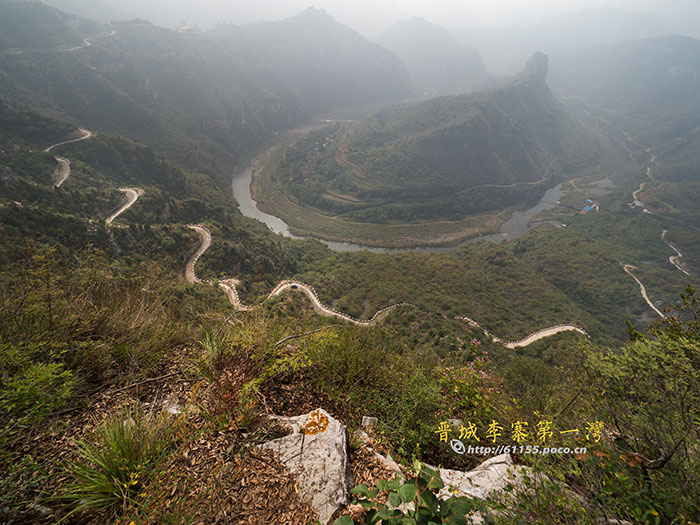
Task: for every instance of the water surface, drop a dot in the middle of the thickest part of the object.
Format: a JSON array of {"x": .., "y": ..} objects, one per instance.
[{"x": 515, "y": 227}]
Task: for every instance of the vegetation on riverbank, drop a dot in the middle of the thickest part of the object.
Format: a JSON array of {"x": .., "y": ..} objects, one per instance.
[{"x": 305, "y": 220}]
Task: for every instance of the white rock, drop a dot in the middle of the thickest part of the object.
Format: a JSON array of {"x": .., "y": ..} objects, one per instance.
[
  {"x": 368, "y": 422},
  {"x": 388, "y": 462},
  {"x": 172, "y": 407},
  {"x": 492, "y": 475},
  {"x": 316, "y": 452}
]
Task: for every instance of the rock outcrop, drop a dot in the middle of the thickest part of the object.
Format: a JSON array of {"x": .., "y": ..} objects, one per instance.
[
  {"x": 492, "y": 475},
  {"x": 316, "y": 451}
]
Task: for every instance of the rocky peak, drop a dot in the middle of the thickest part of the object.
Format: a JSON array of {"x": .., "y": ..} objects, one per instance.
[
  {"x": 536, "y": 68},
  {"x": 314, "y": 14}
]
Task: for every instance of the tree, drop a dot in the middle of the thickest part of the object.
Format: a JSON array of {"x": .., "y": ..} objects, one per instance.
[{"x": 649, "y": 392}]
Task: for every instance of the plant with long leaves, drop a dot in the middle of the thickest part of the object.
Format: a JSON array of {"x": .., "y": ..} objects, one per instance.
[{"x": 110, "y": 471}]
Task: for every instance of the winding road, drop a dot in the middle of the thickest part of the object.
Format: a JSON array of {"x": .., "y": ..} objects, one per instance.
[
  {"x": 229, "y": 287},
  {"x": 529, "y": 339},
  {"x": 675, "y": 260},
  {"x": 63, "y": 170},
  {"x": 628, "y": 268},
  {"x": 132, "y": 195},
  {"x": 86, "y": 42},
  {"x": 545, "y": 332}
]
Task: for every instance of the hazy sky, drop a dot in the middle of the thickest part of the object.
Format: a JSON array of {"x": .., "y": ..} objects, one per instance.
[{"x": 371, "y": 17}]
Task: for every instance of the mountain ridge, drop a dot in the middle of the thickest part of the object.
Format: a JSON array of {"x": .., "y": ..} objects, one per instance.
[
  {"x": 438, "y": 64},
  {"x": 170, "y": 85},
  {"x": 445, "y": 158}
]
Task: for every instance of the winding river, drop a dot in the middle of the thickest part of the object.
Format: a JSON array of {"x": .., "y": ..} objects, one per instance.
[{"x": 515, "y": 227}]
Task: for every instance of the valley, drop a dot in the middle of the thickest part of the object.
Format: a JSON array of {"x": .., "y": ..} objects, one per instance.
[
  {"x": 248, "y": 266},
  {"x": 304, "y": 178}
]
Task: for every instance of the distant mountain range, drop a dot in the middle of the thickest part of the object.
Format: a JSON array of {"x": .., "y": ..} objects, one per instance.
[
  {"x": 505, "y": 49},
  {"x": 313, "y": 59},
  {"x": 656, "y": 76},
  {"x": 438, "y": 64},
  {"x": 200, "y": 99},
  {"x": 33, "y": 24},
  {"x": 650, "y": 88},
  {"x": 95, "y": 10}
]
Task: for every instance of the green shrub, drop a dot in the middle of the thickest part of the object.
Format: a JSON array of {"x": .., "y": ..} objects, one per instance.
[
  {"x": 413, "y": 501},
  {"x": 470, "y": 388},
  {"x": 111, "y": 470},
  {"x": 370, "y": 373},
  {"x": 647, "y": 392},
  {"x": 543, "y": 496},
  {"x": 36, "y": 390}
]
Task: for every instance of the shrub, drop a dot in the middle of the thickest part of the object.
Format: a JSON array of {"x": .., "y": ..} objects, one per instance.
[
  {"x": 36, "y": 390},
  {"x": 413, "y": 501},
  {"x": 648, "y": 393},
  {"x": 470, "y": 388},
  {"x": 369, "y": 373},
  {"x": 111, "y": 470}
]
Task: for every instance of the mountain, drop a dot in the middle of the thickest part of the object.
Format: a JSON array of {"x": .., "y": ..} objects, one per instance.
[
  {"x": 316, "y": 60},
  {"x": 95, "y": 10},
  {"x": 504, "y": 49},
  {"x": 444, "y": 158},
  {"x": 177, "y": 92},
  {"x": 436, "y": 62},
  {"x": 32, "y": 24},
  {"x": 656, "y": 76},
  {"x": 650, "y": 89},
  {"x": 202, "y": 100},
  {"x": 132, "y": 390}
]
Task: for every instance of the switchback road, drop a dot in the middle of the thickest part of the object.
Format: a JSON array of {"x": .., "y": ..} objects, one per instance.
[
  {"x": 132, "y": 195},
  {"x": 63, "y": 170},
  {"x": 229, "y": 287}
]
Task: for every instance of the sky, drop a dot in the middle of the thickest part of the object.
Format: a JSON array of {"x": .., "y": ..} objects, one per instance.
[{"x": 372, "y": 17}]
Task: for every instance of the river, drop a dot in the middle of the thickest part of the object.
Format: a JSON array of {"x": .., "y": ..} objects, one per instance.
[{"x": 515, "y": 227}]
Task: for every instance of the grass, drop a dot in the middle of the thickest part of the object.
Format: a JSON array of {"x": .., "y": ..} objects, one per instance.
[{"x": 110, "y": 470}]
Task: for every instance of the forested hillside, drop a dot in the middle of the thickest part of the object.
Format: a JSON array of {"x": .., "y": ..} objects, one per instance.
[
  {"x": 442, "y": 159},
  {"x": 315, "y": 61},
  {"x": 33, "y": 24},
  {"x": 202, "y": 100}
]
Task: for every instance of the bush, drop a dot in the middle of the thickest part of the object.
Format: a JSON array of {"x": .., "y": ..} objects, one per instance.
[
  {"x": 648, "y": 393},
  {"x": 412, "y": 501},
  {"x": 369, "y": 373},
  {"x": 36, "y": 390},
  {"x": 112, "y": 469}
]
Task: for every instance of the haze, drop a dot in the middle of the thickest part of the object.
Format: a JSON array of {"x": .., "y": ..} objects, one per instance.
[{"x": 373, "y": 17}]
